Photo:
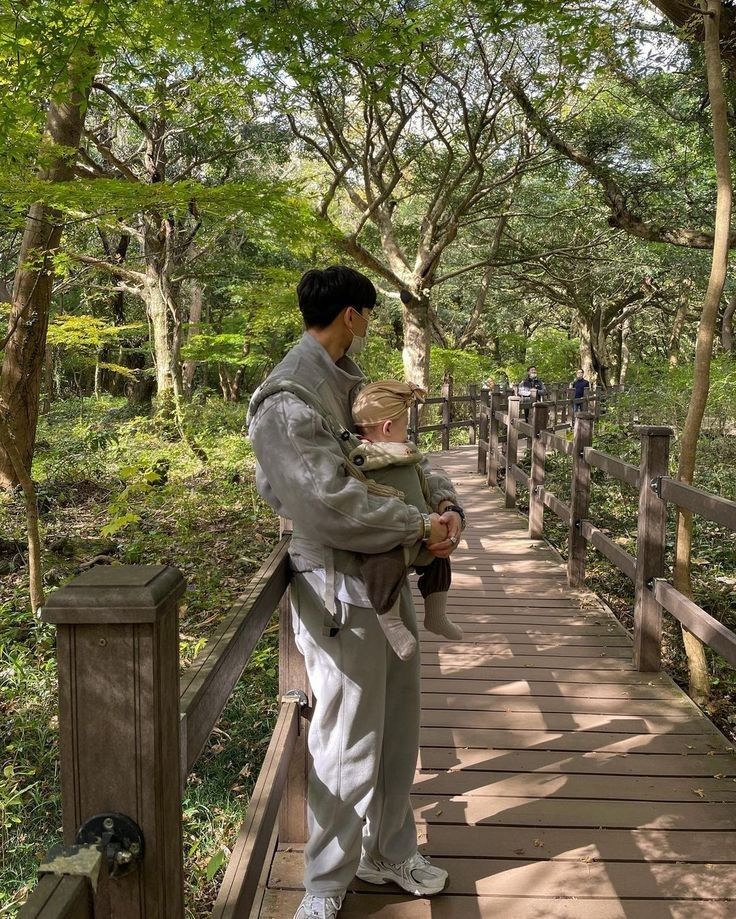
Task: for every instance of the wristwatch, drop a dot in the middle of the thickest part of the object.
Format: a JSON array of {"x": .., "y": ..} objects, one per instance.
[{"x": 458, "y": 510}]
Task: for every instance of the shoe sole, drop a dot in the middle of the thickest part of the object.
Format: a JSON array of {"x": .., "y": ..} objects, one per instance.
[{"x": 371, "y": 877}]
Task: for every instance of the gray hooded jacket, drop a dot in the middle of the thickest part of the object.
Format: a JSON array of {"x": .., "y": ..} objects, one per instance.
[{"x": 301, "y": 468}]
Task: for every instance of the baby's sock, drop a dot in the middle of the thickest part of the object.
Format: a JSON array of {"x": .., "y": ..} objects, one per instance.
[
  {"x": 435, "y": 617},
  {"x": 399, "y": 637}
]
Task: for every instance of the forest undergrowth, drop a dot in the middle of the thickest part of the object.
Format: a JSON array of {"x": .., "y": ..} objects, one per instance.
[{"x": 115, "y": 489}]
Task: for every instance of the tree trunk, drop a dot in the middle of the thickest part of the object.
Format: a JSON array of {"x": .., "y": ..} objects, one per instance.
[
  {"x": 623, "y": 368},
  {"x": 727, "y": 337},
  {"x": 678, "y": 323},
  {"x": 417, "y": 338},
  {"x": 7, "y": 443},
  {"x": 697, "y": 663},
  {"x": 231, "y": 383},
  {"x": 594, "y": 358},
  {"x": 22, "y": 368},
  {"x": 195, "y": 315},
  {"x": 166, "y": 333},
  {"x": 48, "y": 380}
]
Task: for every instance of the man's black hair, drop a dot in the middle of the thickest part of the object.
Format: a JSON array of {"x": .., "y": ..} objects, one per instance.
[
  {"x": 324, "y": 292},
  {"x": 530, "y": 367}
]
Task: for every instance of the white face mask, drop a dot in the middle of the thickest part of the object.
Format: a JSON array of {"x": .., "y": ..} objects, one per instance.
[{"x": 358, "y": 342}]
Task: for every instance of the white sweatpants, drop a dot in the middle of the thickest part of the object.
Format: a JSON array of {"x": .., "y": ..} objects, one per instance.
[{"x": 363, "y": 738}]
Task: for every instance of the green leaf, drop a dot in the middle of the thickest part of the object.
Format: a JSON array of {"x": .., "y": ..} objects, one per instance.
[{"x": 215, "y": 863}]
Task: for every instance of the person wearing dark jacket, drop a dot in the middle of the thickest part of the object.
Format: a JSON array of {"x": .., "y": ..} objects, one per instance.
[
  {"x": 531, "y": 389},
  {"x": 579, "y": 385}
]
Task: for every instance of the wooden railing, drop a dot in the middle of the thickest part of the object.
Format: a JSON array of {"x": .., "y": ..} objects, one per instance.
[
  {"x": 656, "y": 489},
  {"x": 131, "y": 731}
]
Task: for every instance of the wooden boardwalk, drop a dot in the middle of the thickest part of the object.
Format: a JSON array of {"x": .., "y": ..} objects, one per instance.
[{"x": 553, "y": 780}]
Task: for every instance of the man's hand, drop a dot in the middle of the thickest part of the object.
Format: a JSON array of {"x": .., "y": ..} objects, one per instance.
[
  {"x": 439, "y": 534},
  {"x": 452, "y": 525}
]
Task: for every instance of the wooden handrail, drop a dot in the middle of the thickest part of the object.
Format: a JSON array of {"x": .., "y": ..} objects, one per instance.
[
  {"x": 704, "y": 626},
  {"x": 554, "y": 442},
  {"x": 239, "y": 885},
  {"x": 60, "y": 896},
  {"x": 606, "y": 546},
  {"x": 613, "y": 466},
  {"x": 712, "y": 507},
  {"x": 656, "y": 489},
  {"x": 559, "y": 508},
  {"x": 207, "y": 685}
]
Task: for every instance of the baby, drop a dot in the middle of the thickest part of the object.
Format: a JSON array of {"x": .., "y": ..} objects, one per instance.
[{"x": 380, "y": 413}]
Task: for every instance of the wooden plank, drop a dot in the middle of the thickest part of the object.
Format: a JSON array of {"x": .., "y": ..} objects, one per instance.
[
  {"x": 692, "y": 765},
  {"x": 280, "y": 904},
  {"x": 59, "y": 897},
  {"x": 656, "y": 815},
  {"x": 577, "y": 787},
  {"x": 562, "y": 844},
  {"x": 579, "y": 499},
  {"x": 545, "y": 630},
  {"x": 478, "y": 658},
  {"x": 526, "y": 640},
  {"x": 613, "y": 466},
  {"x": 694, "y": 617},
  {"x": 712, "y": 507},
  {"x": 651, "y": 536},
  {"x": 672, "y": 709},
  {"x": 554, "y": 689},
  {"x": 613, "y": 552},
  {"x": 517, "y": 877},
  {"x": 559, "y": 508},
  {"x": 262, "y": 888},
  {"x": 560, "y": 721},
  {"x": 293, "y": 677},
  {"x": 240, "y": 884},
  {"x": 447, "y": 667},
  {"x": 573, "y": 742},
  {"x": 518, "y": 473},
  {"x": 481, "y": 644},
  {"x": 207, "y": 685},
  {"x": 559, "y": 444}
]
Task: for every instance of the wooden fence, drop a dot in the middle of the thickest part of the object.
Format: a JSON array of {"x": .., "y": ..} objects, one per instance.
[
  {"x": 656, "y": 488},
  {"x": 131, "y": 729}
]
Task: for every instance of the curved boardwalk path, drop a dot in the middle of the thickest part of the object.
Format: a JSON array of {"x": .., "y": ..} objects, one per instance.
[{"x": 554, "y": 780}]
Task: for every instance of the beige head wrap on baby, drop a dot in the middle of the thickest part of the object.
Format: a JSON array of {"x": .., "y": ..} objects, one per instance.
[{"x": 385, "y": 401}]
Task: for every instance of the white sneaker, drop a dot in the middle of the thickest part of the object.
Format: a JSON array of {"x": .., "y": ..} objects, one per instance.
[
  {"x": 415, "y": 875},
  {"x": 313, "y": 907}
]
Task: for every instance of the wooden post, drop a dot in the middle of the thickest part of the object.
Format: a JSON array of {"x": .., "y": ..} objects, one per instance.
[
  {"x": 293, "y": 676},
  {"x": 414, "y": 423},
  {"x": 540, "y": 417},
  {"x": 118, "y": 658},
  {"x": 483, "y": 428},
  {"x": 512, "y": 445},
  {"x": 446, "y": 413},
  {"x": 472, "y": 427},
  {"x": 650, "y": 546},
  {"x": 496, "y": 400},
  {"x": 564, "y": 406},
  {"x": 579, "y": 499}
]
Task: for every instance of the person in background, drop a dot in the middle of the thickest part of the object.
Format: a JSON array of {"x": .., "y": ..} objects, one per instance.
[
  {"x": 531, "y": 389},
  {"x": 579, "y": 385}
]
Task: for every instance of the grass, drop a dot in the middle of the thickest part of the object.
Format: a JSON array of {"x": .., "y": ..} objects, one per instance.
[{"x": 205, "y": 518}]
